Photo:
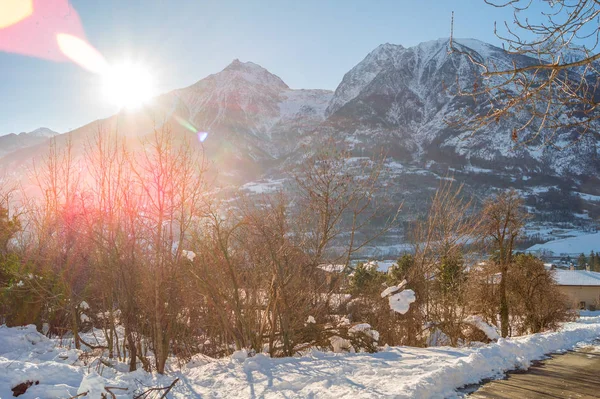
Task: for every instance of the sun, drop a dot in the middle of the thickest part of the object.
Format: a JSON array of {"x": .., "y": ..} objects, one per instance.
[{"x": 128, "y": 85}]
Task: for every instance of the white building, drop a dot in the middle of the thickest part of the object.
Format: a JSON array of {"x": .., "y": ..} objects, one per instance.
[{"x": 581, "y": 286}]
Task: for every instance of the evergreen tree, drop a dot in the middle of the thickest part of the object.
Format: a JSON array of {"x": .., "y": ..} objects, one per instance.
[
  {"x": 365, "y": 278},
  {"x": 9, "y": 226},
  {"x": 451, "y": 272},
  {"x": 592, "y": 261},
  {"x": 581, "y": 262},
  {"x": 400, "y": 271}
]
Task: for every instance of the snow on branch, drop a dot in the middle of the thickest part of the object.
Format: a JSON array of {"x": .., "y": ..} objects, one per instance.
[{"x": 399, "y": 298}]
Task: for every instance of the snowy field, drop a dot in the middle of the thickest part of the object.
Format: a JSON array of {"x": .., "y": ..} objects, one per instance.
[
  {"x": 572, "y": 245},
  {"x": 400, "y": 372}
]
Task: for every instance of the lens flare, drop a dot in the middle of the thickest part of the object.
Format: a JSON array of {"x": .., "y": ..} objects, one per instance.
[
  {"x": 14, "y": 11},
  {"x": 52, "y": 30},
  {"x": 202, "y": 136},
  {"x": 30, "y": 27},
  {"x": 128, "y": 85},
  {"x": 81, "y": 53},
  {"x": 185, "y": 124}
]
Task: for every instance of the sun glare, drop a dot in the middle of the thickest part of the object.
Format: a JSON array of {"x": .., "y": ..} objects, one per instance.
[
  {"x": 14, "y": 11},
  {"x": 128, "y": 85}
]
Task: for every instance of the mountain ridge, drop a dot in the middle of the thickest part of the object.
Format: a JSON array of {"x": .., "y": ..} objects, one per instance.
[
  {"x": 12, "y": 141},
  {"x": 398, "y": 99}
]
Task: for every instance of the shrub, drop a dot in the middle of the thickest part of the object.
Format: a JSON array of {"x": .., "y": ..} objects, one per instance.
[{"x": 536, "y": 302}]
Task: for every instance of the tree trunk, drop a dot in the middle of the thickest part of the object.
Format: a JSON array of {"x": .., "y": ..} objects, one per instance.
[
  {"x": 162, "y": 360},
  {"x": 503, "y": 304},
  {"x": 132, "y": 351},
  {"x": 74, "y": 325},
  {"x": 110, "y": 335}
]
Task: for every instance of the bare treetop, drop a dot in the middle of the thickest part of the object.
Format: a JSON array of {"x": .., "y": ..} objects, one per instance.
[{"x": 550, "y": 88}]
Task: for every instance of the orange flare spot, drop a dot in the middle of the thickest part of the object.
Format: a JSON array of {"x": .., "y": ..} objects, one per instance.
[{"x": 13, "y": 11}]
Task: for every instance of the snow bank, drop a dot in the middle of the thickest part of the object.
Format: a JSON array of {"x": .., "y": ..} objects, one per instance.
[
  {"x": 28, "y": 357},
  {"x": 92, "y": 385},
  {"x": 401, "y": 372},
  {"x": 495, "y": 359}
]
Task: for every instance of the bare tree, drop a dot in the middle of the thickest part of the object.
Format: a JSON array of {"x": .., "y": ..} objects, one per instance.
[
  {"x": 115, "y": 282},
  {"x": 229, "y": 280},
  {"x": 260, "y": 260},
  {"x": 440, "y": 258},
  {"x": 502, "y": 220},
  {"x": 57, "y": 221},
  {"x": 341, "y": 203},
  {"x": 536, "y": 301},
  {"x": 550, "y": 87},
  {"x": 170, "y": 177}
]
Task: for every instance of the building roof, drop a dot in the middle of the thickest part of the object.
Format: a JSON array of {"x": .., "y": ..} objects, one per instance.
[{"x": 576, "y": 277}]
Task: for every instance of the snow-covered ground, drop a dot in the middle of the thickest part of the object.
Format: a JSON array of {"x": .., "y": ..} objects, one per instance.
[
  {"x": 400, "y": 372},
  {"x": 262, "y": 187},
  {"x": 572, "y": 245}
]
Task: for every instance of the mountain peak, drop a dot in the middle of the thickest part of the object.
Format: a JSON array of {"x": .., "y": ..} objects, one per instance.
[
  {"x": 414, "y": 61},
  {"x": 482, "y": 48},
  {"x": 43, "y": 132},
  {"x": 442, "y": 46},
  {"x": 364, "y": 72},
  {"x": 236, "y": 64},
  {"x": 385, "y": 52},
  {"x": 251, "y": 73},
  {"x": 389, "y": 47}
]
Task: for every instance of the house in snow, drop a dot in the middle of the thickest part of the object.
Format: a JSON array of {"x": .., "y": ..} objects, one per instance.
[{"x": 581, "y": 286}]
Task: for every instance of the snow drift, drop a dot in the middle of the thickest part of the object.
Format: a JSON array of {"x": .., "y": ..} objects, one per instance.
[{"x": 401, "y": 372}]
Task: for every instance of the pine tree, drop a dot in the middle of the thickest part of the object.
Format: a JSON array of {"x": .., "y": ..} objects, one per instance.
[
  {"x": 400, "y": 271},
  {"x": 581, "y": 262},
  {"x": 8, "y": 227},
  {"x": 365, "y": 278},
  {"x": 592, "y": 261},
  {"x": 450, "y": 272}
]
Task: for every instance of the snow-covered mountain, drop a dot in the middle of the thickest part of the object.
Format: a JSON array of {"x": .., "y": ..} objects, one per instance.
[
  {"x": 410, "y": 94},
  {"x": 12, "y": 142},
  {"x": 246, "y": 103},
  {"x": 397, "y": 99}
]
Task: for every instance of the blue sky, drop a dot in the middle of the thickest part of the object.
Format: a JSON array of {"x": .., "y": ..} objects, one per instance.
[{"x": 308, "y": 43}]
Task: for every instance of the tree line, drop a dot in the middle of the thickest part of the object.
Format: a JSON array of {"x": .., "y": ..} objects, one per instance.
[{"x": 138, "y": 243}]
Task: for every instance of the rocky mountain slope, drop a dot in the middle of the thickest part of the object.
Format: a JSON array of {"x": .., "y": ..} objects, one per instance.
[
  {"x": 411, "y": 95},
  {"x": 251, "y": 108},
  {"x": 397, "y": 99}
]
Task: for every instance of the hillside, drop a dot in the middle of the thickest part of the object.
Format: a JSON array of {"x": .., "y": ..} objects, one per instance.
[
  {"x": 397, "y": 100},
  {"x": 12, "y": 142}
]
